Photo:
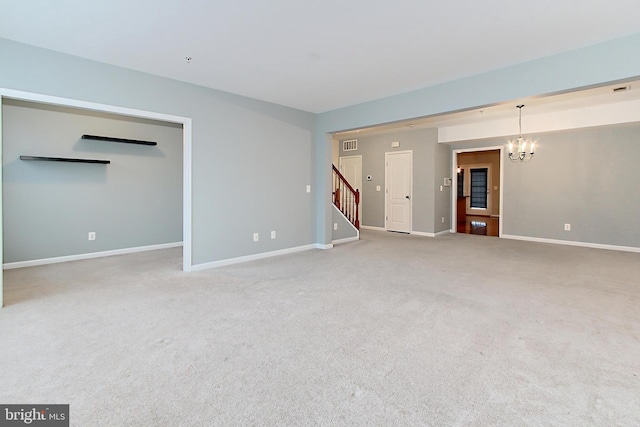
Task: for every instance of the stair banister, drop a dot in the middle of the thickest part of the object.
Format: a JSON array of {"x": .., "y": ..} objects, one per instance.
[{"x": 346, "y": 198}]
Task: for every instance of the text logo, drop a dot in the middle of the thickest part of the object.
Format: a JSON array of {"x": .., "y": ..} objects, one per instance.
[{"x": 34, "y": 415}]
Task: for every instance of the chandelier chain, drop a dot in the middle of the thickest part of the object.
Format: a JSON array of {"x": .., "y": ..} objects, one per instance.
[{"x": 520, "y": 120}]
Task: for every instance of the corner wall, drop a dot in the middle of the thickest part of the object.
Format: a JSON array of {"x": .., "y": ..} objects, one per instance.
[{"x": 240, "y": 177}]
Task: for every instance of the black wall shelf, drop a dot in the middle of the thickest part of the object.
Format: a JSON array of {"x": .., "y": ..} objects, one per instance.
[
  {"x": 122, "y": 140},
  {"x": 64, "y": 159}
]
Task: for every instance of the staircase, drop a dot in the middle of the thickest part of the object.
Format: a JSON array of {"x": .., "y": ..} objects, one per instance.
[{"x": 345, "y": 198}]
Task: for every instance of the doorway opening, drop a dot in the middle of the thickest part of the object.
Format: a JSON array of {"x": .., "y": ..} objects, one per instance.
[{"x": 478, "y": 206}]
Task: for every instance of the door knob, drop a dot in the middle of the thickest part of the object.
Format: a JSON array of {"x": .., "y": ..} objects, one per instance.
[{"x": 407, "y": 197}]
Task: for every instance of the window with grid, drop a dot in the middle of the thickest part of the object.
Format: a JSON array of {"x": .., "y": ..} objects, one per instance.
[{"x": 479, "y": 188}]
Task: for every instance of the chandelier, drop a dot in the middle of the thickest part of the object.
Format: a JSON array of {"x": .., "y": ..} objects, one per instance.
[{"x": 522, "y": 153}]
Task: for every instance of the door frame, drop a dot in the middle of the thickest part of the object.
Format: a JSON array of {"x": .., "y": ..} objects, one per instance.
[
  {"x": 386, "y": 188},
  {"x": 355, "y": 156},
  {"x": 454, "y": 184},
  {"x": 123, "y": 111}
]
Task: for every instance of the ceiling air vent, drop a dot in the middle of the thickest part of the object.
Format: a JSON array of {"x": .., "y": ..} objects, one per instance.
[{"x": 350, "y": 145}]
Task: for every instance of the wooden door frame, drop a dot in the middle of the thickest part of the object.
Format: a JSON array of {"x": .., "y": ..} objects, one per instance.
[{"x": 454, "y": 184}]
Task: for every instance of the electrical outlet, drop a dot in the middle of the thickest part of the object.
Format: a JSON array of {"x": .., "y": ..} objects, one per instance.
[
  {"x": 92, "y": 235},
  {"x": 335, "y": 225},
  {"x": 256, "y": 237},
  {"x": 308, "y": 189},
  {"x": 567, "y": 227},
  {"x": 273, "y": 234}
]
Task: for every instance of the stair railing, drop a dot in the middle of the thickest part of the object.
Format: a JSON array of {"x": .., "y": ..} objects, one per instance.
[{"x": 346, "y": 198}]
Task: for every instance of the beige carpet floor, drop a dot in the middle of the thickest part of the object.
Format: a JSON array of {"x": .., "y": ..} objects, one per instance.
[{"x": 389, "y": 330}]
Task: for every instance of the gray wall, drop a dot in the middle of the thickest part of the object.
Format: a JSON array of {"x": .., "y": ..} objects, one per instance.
[
  {"x": 345, "y": 229},
  {"x": 49, "y": 208},
  {"x": 442, "y": 205},
  {"x": 242, "y": 180},
  {"x": 587, "y": 178},
  {"x": 427, "y": 159}
]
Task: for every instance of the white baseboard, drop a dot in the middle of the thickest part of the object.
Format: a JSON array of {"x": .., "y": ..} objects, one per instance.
[
  {"x": 322, "y": 246},
  {"x": 255, "y": 257},
  {"x": 347, "y": 240},
  {"x": 368, "y": 227},
  {"x": 44, "y": 261},
  {"x": 572, "y": 243},
  {"x": 422, "y": 233},
  {"x": 414, "y": 233}
]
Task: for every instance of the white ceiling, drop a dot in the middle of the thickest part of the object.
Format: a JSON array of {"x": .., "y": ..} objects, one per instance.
[{"x": 316, "y": 55}]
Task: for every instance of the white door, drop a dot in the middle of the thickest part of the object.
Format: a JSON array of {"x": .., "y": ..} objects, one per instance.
[
  {"x": 398, "y": 186},
  {"x": 351, "y": 168}
]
